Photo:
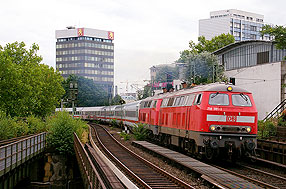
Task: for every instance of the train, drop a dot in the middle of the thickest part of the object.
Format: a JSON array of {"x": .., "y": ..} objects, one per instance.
[{"x": 208, "y": 121}]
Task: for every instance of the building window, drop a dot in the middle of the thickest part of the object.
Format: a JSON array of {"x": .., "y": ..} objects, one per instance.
[
  {"x": 237, "y": 25},
  {"x": 263, "y": 57},
  {"x": 236, "y": 34},
  {"x": 253, "y": 28},
  {"x": 252, "y": 36}
]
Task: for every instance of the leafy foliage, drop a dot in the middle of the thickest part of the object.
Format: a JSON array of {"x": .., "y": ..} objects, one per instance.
[
  {"x": 282, "y": 120},
  {"x": 139, "y": 131},
  {"x": 212, "y": 45},
  {"x": 166, "y": 72},
  {"x": 27, "y": 86},
  {"x": 89, "y": 94},
  {"x": 36, "y": 125},
  {"x": 61, "y": 128},
  {"x": 13, "y": 127},
  {"x": 203, "y": 68},
  {"x": 113, "y": 122},
  {"x": 266, "y": 129},
  {"x": 147, "y": 91},
  {"x": 279, "y": 34},
  {"x": 116, "y": 100},
  {"x": 125, "y": 136}
]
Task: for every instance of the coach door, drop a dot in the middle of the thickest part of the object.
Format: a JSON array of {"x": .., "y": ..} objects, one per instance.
[
  {"x": 189, "y": 110},
  {"x": 153, "y": 112}
]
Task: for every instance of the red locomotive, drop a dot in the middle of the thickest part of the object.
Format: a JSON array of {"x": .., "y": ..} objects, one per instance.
[{"x": 206, "y": 120}]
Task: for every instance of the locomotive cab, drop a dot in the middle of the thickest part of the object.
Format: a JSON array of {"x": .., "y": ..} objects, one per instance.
[{"x": 229, "y": 124}]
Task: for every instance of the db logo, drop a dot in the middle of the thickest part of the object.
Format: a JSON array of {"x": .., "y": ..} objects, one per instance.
[{"x": 230, "y": 118}]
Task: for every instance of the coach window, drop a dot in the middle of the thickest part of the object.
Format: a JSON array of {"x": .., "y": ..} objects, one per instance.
[
  {"x": 177, "y": 101},
  {"x": 182, "y": 101},
  {"x": 154, "y": 103},
  {"x": 198, "y": 99},
  {"x": 191, "y": 99},
  {"x": 149, "y": 103},
  {"x": 163, "y": 102},
  {"x": 171, "y": 101}
]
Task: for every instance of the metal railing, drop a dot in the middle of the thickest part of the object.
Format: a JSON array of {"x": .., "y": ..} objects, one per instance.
[
  {"x": 91, "y": 177},
  {"x": 276, "y": 111},
  {"x": 16, "y": 153}
]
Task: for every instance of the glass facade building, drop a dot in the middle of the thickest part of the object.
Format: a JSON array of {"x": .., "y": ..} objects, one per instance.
[
  {"x": 242, "y": 25},
  {"x": 88, "y": 53}
]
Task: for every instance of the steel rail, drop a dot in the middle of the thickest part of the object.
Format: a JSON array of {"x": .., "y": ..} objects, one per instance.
[
  {"x": 131, "y": 173},
  {"x": 264, "y": 172},
  {"x": 260, "y": 183},
  {"x": 90, "y": 175}
]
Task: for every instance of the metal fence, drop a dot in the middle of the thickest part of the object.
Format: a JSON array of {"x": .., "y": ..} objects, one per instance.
[
  {"x": 91, "y": 177},
  {"x": 16, "y": 153}
]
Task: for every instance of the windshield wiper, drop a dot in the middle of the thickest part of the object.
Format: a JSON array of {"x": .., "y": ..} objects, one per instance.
[
  {"x": 215, "y": 95},
  {"x": 244, "y": 97}
]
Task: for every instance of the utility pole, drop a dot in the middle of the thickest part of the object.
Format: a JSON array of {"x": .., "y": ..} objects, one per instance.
[{"x": 73, "y": 95}]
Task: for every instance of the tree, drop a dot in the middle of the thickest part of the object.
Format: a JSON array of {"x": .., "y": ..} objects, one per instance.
[
  {"x": 203, "y": 68},
  {"x": 117, "y": 100},
  {"x": 166, "y": 73},
  {"x": 212, "y": 45},
  {"x": 27, "y": 86},
  {"x": 279, "y": 34},
  {"x": 89, "y": 93},
  {"x": 146, "y": 92}
]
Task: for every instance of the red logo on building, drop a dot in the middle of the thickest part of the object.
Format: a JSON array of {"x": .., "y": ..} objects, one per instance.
[
  {"x": 111, "y": 35},
  {"x": 80, "y": 32},
  {"x": 230, "y": 118}
]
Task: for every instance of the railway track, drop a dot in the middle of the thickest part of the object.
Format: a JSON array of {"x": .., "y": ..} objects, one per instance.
[
  {"x": 256, "y": 175},
  {"x": 144, "y": 173}
]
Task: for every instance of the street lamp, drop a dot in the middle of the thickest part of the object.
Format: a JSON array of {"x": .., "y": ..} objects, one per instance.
[{"x": 73, "y": 94}]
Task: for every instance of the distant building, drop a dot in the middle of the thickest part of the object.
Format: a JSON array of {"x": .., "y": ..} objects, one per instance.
[
  {"x": 154, "y": 70},
  {"x": 86, "y": 52},
  {"x": 257, "y": 66},
  {"x": 241, "y": 24}
]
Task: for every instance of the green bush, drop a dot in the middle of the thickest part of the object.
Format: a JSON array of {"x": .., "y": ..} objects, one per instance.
[
  {"x": 60, "y": 133},
  {"x": 7, "y": 127},
  {"x": 282, "y": 121},
  {"x": 113, "y": 122},
  {"x": 125, "y": 136},
  {"x": 11, "y": 128},
  {"x": 139, "y": 131},
  {"x": 266, "y": 129},
  {"x": 36, "y": 125}
]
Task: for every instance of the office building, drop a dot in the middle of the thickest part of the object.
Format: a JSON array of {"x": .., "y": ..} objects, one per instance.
[
  {"x": 242, "y": 25},
  {"x": 86, "y": 52}
]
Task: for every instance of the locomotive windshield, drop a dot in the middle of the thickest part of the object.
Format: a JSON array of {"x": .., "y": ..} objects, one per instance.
[
  {"x": 240, "y": 100},
  {"x": 219, "y": 99}
]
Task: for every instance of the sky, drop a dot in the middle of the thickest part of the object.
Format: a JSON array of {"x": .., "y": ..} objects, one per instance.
[{"x": 147, "y": 32}]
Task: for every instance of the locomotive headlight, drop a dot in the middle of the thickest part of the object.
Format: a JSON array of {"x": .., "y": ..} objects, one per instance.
[
  {"x": 212, "y": 128},
  {"x": 229, "y": 88},
  {"x": 248, "y": 129}
]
